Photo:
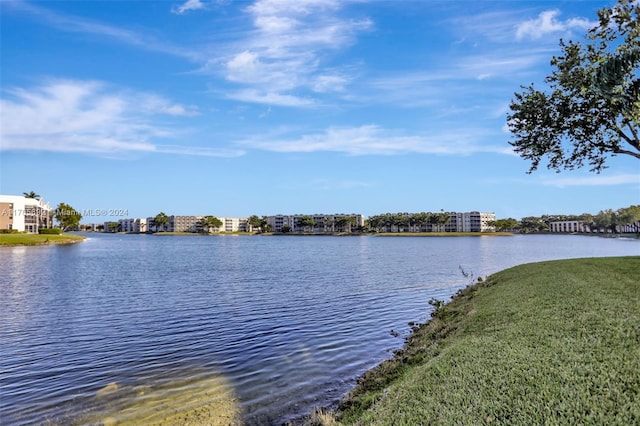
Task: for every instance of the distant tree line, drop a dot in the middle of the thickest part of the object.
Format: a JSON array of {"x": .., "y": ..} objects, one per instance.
[{"x": 608, "y": 220}]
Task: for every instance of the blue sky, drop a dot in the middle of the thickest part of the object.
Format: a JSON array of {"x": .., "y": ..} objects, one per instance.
[{"x": 285, "y": 106}]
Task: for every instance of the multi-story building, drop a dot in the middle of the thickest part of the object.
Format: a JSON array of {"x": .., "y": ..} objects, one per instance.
[
  {"x": 323, "y": 222},
  {"x": 234, "y": 224},
  {"x": 24, "y": 214},
  {"x": 190, "y": 224},
  {"x": 457, "y": 222},
  {"x": 568, "y": 226},
  {"x": 136, "y": 225},
  {"x": 478, "y": 222}
]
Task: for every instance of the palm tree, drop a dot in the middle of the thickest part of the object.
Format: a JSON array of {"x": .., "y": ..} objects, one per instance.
[{"x": 31, "y": 194}]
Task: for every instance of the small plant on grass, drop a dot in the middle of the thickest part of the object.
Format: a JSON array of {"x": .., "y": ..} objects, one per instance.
[{"x": 438, "y": 305}]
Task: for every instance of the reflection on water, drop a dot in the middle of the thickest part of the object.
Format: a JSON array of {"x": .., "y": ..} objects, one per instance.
[{"x": 178, "y": 330}]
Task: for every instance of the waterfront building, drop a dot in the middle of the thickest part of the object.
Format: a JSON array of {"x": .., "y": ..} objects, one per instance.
[
  {"x": 458, "y": 222},
  {"x": 185, "y": 224},
  {"x": 569, "y": 226},
  {"x": 234, "y": 224},
  {"x": 470, "y": 222},
  {"x": 136, "y": 225},
  {"x": 24, "y": 214},
  {"x": 323, "y": 222}
]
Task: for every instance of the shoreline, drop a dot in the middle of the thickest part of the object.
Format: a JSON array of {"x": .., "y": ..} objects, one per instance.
[
  {"x": 487, "y": 338},
  {"x": 38, "y": 240}
]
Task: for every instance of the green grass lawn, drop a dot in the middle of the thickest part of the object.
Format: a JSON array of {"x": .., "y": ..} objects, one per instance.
[
  {"x": 38, "y": 239},
  {"x": 545, "y": 343}
]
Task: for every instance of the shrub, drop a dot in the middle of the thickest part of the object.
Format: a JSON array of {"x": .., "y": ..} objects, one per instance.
[
  {"x": 52, "y": 231},
  {"x": 8, "y": 231}
]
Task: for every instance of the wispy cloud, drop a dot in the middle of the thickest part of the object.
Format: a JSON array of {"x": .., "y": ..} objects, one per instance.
[
  {"x": 547, "y": 22},
  {"x": 75, "y": 24},
  {"x": 374, "y": 140},
  {"x": 187, "y": 6},
  {"x": 270, "y": 98},
  {"x": 599, "y": 180},
  {"x": 91, "y": 117},
  {"x": 285, "y": 51}
]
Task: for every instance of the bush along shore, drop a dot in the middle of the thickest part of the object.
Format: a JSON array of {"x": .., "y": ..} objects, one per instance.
[
  {"x": 546, "y": 343},
  {"x": 20, "y": 239}
]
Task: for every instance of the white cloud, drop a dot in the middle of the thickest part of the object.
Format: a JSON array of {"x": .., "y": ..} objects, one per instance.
[
  {"x": 547, "y": 23},
  {"x": 187, "y": 6},
  {"x": 329, "y": 83},
  {"x": 374, "y": 140},
  {"x": 270, "y": 98},
  {"x": 74, "y": 24},
  {"x": 286, "y": 50},
  {"x": 598, "y": 180},
  {"x": 90, "y": 117}
]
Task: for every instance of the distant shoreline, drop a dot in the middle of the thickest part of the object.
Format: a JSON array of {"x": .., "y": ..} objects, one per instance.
[
  {"x": 17, "y": 240},
  {"x": 371, "y": 234}
]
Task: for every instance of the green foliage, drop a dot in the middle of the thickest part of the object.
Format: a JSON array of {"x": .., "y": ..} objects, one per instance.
[
  {"x": 509, "y": 224},
  {"x": 437, "y": 306},
  {"x": 592, "y": 106},
  {"x": 545, "y": 343},
  {"x": 160, "y": 221},
  {"x": 113, "y": 227},
  {"x": 345, "y": 223},
  {"x": 209, "y": 222},
  {"x": 8, "y": 231},
  {"x": 257, "y": 223},
  {"x": 409, "y": 222},
  {"x": 50, "y": 231},
  {"x": 306, "y": 222},
  {"x": 67, "y": 216},
  {"x": 533, "y": 224},
  {"x": 31, "y": 194}
]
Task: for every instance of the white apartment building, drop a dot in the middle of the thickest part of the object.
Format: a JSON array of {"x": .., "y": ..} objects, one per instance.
[
  {"x": 568, "y": 226},
  {"x": 458, "y": 222},
  {"x": 136, "y": 225},
  {"x": 234, "y": 224},
  {"x": 470, "y": 222},
  {"x": 24, "y": 214},
  {"x": 188, "y": 224},
  {"x": 323, "y": 222}
]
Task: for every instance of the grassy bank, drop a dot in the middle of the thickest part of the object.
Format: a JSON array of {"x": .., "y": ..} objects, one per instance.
[
  {"x": 38, "y": 239},
  {"x": 546, "y": 343}
]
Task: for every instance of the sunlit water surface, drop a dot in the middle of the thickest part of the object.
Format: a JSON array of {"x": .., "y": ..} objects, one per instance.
[{"x": 216, "y": 330}]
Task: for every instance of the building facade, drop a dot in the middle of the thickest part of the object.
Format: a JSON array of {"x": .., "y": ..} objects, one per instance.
[
  {"x": 457, "y": 222},
  {"x": 470, "y": 222},
  {"x": 136, "y": 225},
  {"x": 568, "y": 226},
  {"x": 24, "y": 214},
  {"x": 323, "y": 222}
]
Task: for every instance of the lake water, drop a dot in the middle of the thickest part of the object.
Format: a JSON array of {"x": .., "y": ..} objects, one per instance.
[{"x": 133, "y": 328}]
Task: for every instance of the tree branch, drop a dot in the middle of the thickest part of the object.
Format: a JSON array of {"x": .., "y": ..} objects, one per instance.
[
  {"x": 634, "y": 132},
  {"x": 624, "y": 151},
  {"x": 633, "y": 142}
]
